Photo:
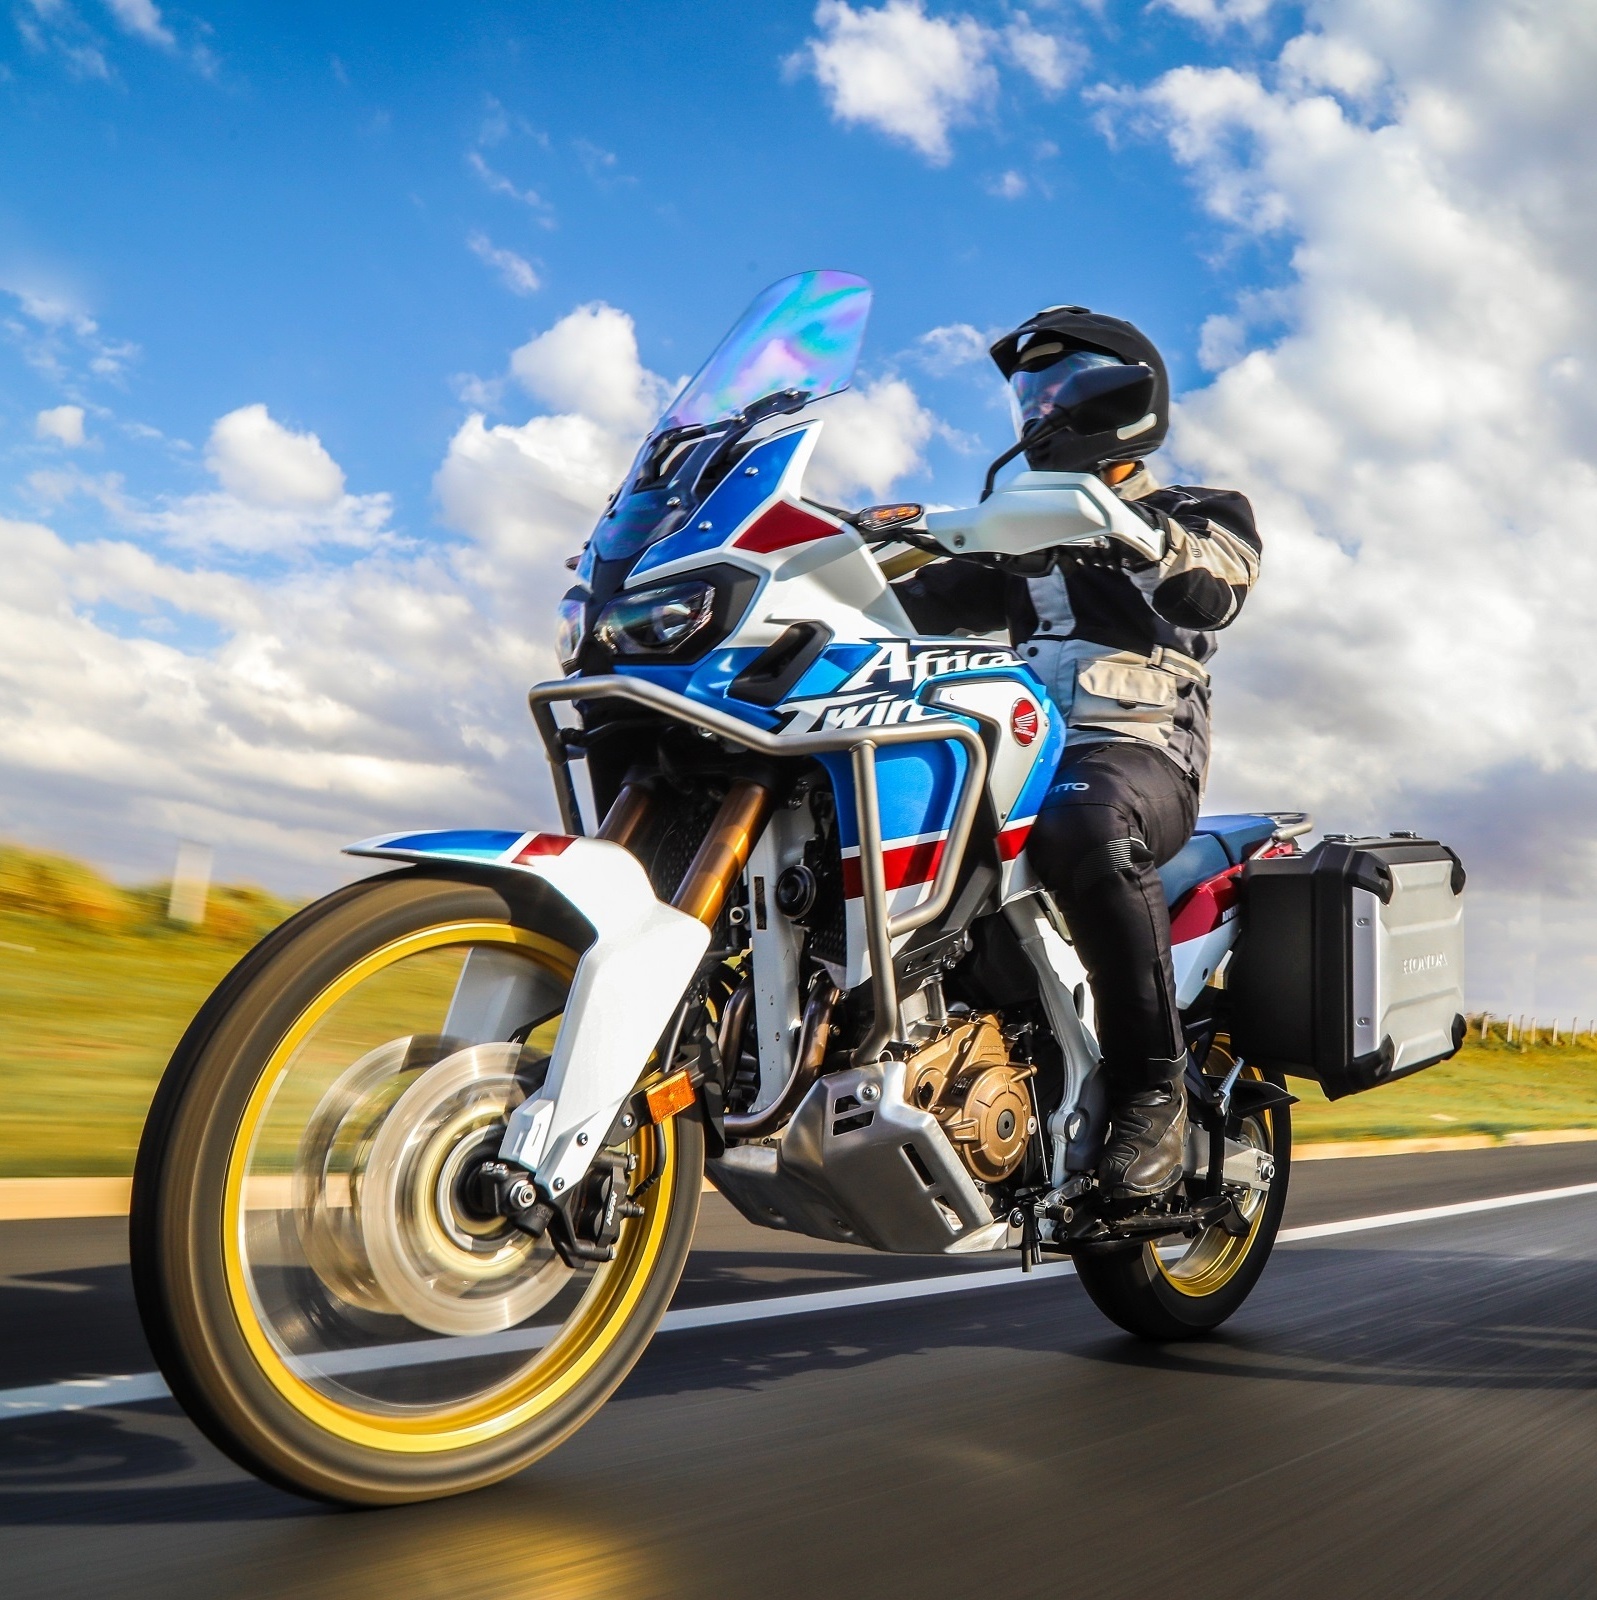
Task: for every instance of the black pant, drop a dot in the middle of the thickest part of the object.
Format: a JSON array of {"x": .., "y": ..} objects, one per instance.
[{"x": 1117, "y": 811}]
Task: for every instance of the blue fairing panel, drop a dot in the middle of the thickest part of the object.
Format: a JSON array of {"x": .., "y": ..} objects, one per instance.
[
  {"x": 749, "y": 485},
  {"x": 917, "y": 786}
]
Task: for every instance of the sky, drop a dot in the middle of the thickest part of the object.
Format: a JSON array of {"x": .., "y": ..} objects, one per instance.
[{"x": 325, "y": 333}]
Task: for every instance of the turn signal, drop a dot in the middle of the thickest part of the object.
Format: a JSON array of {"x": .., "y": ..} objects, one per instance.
[
  {"x": 877, "y": 519},
  {"x": 672, "y": 1095}
]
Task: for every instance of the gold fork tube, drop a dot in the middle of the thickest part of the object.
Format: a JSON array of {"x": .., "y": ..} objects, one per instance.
[
  {"x": 725, "y": 851},
  {"x": 626, "y": 816}
]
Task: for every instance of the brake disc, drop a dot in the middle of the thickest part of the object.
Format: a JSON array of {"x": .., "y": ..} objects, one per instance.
[
  {"x": 331, "y": 1163},
  {"x": 432, "y": 1258}
]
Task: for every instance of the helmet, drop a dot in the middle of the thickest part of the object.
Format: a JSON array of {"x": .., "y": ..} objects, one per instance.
[{"x": 1043, "y": 354}]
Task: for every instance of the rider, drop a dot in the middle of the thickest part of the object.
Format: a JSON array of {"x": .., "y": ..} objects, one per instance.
[{"x": 1119, "y": 641}]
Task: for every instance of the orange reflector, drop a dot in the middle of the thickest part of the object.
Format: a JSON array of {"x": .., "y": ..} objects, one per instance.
[{"x": 668, "y": 1098}]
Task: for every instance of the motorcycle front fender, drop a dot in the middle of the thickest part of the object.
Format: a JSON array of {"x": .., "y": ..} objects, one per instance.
[{"x": 627, "y": 986}]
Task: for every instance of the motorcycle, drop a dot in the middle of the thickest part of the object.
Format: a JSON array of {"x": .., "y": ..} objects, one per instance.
[{"x": 422, "y": 1176}]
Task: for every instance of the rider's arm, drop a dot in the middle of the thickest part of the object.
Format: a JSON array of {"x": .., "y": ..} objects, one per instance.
[
  {"x": 1211, "y": 555},
  {"x": 955, "y": 597}
]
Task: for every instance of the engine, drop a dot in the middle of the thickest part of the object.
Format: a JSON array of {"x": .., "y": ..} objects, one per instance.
[{"x": 966, "y": 1079}]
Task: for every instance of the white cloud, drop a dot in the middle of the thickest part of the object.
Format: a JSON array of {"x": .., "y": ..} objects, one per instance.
[
  {"x": 950, "y": 347},
  {"x": 515, "y": 272},
  {"x": 499, "y": 184},
  {"x": 335, "y": 704},
  {"x": 588, "y": 363},
  {"x": 64, "y": 424},
  {"x": 894, "y": 68},
  {"x": 59, "y": 340},
  {"x": 1415, "y": 425},
  {"x": 1215, "y": 15},
  {"x": 142, "y": 18},
  {"x": 147, "y": 694},
  {"x": 1007, "y": 186},
  {"x": 1050, "y": 61},
  {"x": 264, "y": 464},
  {"x": 873, "y": 436}
]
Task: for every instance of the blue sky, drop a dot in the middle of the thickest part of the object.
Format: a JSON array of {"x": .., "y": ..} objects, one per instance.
[
  {"x": 324, "y": 333},
  {"x": 288, "y": 221}
]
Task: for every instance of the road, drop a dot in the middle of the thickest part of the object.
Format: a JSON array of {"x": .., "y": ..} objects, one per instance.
[{"x": 1409, "y": 1410}]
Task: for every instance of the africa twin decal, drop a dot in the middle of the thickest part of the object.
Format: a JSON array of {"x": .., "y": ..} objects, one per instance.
[{"x": 882, "y": 690}]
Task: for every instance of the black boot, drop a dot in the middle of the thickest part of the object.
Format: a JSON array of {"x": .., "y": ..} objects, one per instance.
[{"x": 1147, "y": 1132}]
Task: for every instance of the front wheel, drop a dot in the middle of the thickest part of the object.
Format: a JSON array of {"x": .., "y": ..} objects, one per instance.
[
  {"x": 1163, "y": 1292},
  {"x": 319, "y": 1286}
]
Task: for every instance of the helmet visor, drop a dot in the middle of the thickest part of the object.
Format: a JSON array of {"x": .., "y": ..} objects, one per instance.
[{"x": 1034, "y": 395}]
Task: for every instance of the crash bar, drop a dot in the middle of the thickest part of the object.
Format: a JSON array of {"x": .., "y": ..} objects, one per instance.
[{"x": 861, "y": 743}]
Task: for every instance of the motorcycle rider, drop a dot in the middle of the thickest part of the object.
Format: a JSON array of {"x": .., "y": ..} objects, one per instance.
[{"x": 1120, "y": 642}]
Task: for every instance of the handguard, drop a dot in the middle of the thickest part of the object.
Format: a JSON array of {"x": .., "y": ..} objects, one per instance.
[
  {"x": 628, "y": 983},
  {"x": 1038, "y": 511}
]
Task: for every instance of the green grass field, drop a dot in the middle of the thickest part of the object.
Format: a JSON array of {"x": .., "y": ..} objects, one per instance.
[{"x": 97, "y": 986}]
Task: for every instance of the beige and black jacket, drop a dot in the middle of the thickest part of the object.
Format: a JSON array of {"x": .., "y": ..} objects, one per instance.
[{"x": 1120, "y": 642}]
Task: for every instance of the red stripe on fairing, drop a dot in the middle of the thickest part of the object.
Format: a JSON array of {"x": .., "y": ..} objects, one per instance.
[
  {"x": 1013, "y": 839},
  {"x": 543, "y": 844},
  {"x": 1201, "y": 910},
  {"x": 903, "y": 867},
  {"x": 783, "y": 525}
]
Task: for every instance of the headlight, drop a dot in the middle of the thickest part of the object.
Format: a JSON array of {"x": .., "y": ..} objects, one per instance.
[
  {"x": 568, "y": 630},
  {"x": 654, "y": 622}
]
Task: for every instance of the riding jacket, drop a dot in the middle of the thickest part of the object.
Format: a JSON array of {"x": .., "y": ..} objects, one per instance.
[{"x": 1119, "y": 641}]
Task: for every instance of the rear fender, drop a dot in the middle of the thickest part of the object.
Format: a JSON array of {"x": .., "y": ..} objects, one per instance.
[{"x": 628, "y": 983}]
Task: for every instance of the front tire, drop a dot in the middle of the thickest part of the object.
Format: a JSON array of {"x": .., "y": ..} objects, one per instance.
[
  {"x": 1165, "y": 1295},
  {"x": 333, "y": 1068}
]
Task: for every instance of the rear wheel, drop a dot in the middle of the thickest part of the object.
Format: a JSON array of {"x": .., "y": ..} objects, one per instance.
[
  {"x": 1166, "y": 1291},
  {"x": 320, "y": 1286}
]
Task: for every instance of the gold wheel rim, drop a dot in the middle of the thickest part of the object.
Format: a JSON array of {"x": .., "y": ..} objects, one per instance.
[
  {"x": 1214, "y": 1258},
  {"x": 591, "y": 1332}
]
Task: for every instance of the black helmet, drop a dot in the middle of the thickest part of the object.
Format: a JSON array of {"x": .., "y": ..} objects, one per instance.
[{"x": 1042, "y": 357}]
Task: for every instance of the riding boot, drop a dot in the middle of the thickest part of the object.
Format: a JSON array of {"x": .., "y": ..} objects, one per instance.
[{"x": 1147, "y": 1134}]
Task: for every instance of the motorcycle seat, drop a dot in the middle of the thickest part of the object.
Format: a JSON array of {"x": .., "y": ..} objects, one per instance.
[
  {"x": 1216, "y": 844},
  {"x": 1241, "y": 834}
]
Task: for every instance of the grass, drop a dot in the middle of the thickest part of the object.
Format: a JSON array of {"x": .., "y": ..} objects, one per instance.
[
  {"x": 1488, "y": 1087},
  {"x": 97, "y": 986}
]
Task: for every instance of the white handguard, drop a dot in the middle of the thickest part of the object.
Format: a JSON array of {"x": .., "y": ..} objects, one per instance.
[{"x": 1038, "y": 511}]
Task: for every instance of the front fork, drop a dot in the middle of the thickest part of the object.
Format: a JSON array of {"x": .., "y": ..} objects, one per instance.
[{"x": 581, "y": 1205}]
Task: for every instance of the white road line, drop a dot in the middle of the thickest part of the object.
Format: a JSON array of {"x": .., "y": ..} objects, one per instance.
[{"x": 80, "y": 1394}]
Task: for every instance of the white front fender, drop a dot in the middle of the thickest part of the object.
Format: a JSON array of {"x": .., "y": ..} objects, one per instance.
[{"x": 628, "y": 983}]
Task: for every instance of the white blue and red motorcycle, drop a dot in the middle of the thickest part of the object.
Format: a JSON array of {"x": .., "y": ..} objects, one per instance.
[{"x": 422, "y": 1176}]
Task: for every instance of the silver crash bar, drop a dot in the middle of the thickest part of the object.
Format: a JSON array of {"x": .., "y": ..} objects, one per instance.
[{"x": 861, "y": 743}]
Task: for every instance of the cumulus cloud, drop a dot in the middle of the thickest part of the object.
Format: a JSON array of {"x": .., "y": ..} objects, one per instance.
[
  {"x": 1413, "y": 414},
  {"x": 588, "y": 363},
  {"x": 950, "y": 347},
  {"x": 153, "y": 686},
  {"x": 265, "y": 464},
  {"x": 515, "y": 272},
  {"x": 911, "y": 76},
  {"x": 64, "y": 424},
  {"x": 916, "y": 77},
  {"x": 335, "y": 704},
  {"x": 1007, "y": 186},
  {"x": 873, "y": 436}
]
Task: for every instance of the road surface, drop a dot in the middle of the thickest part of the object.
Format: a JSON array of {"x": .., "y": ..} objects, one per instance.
[{"x": 1399, "y": 1410}]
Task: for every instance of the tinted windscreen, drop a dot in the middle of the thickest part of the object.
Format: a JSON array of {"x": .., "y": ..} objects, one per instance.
[{"x": 802, "y": 333}]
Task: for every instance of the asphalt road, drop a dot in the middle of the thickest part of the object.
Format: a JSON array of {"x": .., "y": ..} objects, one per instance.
[{"x": 1408, "y": 1411}]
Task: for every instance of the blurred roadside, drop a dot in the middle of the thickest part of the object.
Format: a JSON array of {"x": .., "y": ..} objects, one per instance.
[{"x": 97, "y": 984}]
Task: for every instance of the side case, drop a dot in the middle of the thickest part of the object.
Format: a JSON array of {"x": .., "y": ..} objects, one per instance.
[{"x": 1349, "y": 965}]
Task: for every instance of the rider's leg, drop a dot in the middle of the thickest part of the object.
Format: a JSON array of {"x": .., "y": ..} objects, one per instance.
[{"x": 1117, "y": 811}]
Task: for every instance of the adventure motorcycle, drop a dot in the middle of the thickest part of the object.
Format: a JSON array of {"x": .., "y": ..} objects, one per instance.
[{"x": 423, "y": 1174}]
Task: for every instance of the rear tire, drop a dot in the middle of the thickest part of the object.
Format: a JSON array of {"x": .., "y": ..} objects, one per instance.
[
  {"x": 1189, "y": 1296},
  {"x": 274, "y": 1339}
]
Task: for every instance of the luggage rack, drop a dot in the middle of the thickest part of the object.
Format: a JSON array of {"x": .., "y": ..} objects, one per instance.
[{"x": 881, "y": 928}]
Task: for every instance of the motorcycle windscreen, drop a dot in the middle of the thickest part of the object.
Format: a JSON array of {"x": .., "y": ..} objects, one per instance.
[{"x": 802, "y": 333}]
